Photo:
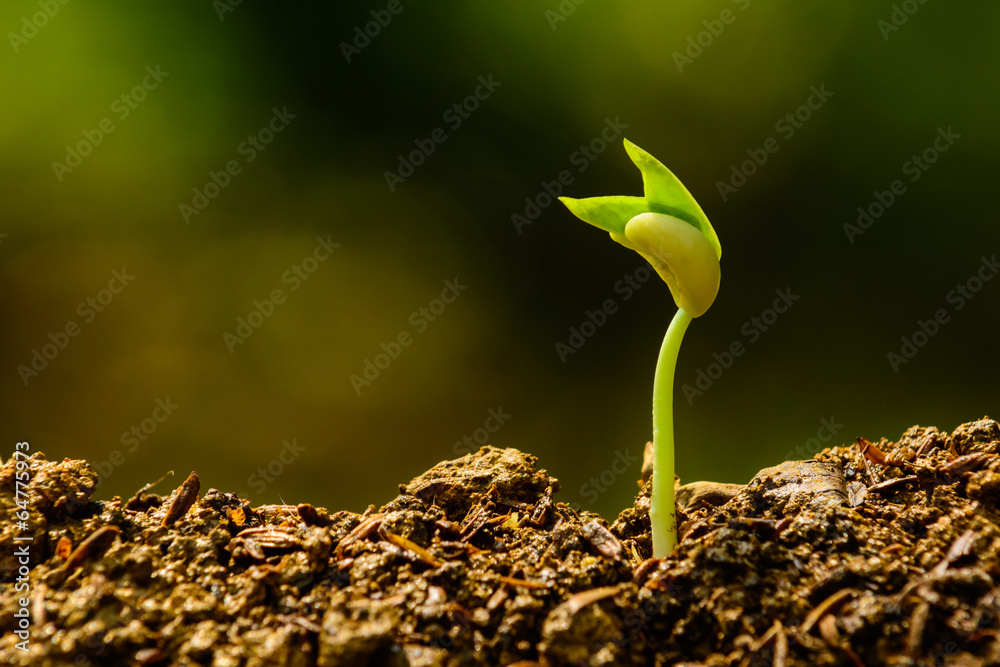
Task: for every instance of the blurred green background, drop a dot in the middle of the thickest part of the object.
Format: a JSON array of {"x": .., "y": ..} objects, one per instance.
[{"x": 698, "y": 86}]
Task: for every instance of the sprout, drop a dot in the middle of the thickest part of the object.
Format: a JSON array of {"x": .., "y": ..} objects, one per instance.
[{"x": 668, "y": 228}]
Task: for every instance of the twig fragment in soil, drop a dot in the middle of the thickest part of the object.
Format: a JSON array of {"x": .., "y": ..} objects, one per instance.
[
  {"x": 149, "y": 656},
  {"x": 302, "y": 622},
  {"x": 543, "y": 509},
  {"x": 872, "y": 453},
  {"x": 641, "y": 573},
  {"x": 480, "y": 514},
  {"x": 926, "y": 444},
  {"x": 64, "y": 547},
  {"x": 780, "y": 647},
  {"x": 510, "y": 519},
  {"x": 136, "y": 500},
  {"x": 187, "y": 494},
  {"x": 499, "y": 596},
  {"x": 445, "y": 526},
  {"x": 585, "y": 598},
  {"x": 603, "y": 540},
  {"x": 966, "y": 463},
  {"x": 360, "y": 532},
  {"x": 409, "y": 545},
  {"x": 277, "y": 513},
  {"x": 891, "y": 549},
  {"x": 828, "y": 631},
  {"x": 252, "y": 542},
  {"x": 825, "y": 607},
  {"x": 960, "y": 548},
  {"x": 866, "y": 464},
  {"x": 524, "y": 583},
  {"x": 772, "y": 633},
  {"x": 892, "y": 485},
  {"x": 38, "y": 598},
  {"x": 428, "y": 491},
  {"x": 91, "y": 548},
  {"x": 459, "y": 547},
  {"x": 915, "y": 637}
]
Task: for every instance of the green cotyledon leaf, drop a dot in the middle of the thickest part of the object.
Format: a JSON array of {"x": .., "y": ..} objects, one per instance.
[
  {"x": 663, "y": 193},
  {"x": 612, "y": 213},
  {"x": 607, "y": 213},
  {"x": 663, "y": 190}
]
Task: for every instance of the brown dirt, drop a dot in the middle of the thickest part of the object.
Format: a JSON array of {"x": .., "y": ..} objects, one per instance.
[{"x": 871, "y": 554}]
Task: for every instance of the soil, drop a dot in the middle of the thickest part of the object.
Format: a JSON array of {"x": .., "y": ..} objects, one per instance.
[{"x": 881, "y": 553}]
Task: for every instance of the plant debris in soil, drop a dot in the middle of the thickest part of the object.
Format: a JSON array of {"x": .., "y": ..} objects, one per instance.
[{"x": 876, "y": 553}]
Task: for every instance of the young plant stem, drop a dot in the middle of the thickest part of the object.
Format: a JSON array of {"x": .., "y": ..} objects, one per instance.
[{"x": 662, "y": 511}]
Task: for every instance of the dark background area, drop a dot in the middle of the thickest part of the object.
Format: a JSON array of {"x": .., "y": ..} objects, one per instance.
[{"x": 161, "y": 337}]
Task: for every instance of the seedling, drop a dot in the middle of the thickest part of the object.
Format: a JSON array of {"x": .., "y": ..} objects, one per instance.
[{"x": 668, "y": 228}]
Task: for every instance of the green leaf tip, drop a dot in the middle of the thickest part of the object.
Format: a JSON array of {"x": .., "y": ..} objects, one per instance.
[
  {"x": 608, "y": 213},
  {"x": 663, "y": 190}
]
